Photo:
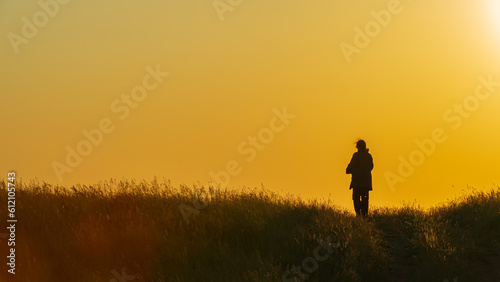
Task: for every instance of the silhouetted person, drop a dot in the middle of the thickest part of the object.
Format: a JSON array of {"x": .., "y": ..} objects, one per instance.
[{"x": 360, "y": 167}]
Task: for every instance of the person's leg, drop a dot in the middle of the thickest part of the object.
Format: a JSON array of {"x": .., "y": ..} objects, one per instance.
[
  {"x": 356, "y": 198},
  {"x": 364, "y": 204}
]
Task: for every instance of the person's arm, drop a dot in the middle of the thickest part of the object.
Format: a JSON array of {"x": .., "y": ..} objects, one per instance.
[{"x": 348, "y": 170}]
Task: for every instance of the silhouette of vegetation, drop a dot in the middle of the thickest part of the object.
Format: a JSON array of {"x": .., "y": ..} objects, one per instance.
[{"x": 83, "y": 233}]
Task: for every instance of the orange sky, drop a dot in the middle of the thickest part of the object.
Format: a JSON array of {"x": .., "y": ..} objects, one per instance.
[{"x": 391, "y": 72}]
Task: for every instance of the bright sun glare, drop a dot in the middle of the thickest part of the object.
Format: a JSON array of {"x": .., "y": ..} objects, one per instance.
[{"x": 494, "y": 11}]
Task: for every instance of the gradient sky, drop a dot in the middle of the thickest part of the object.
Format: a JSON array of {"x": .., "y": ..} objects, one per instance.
[{"x": 230, "y": 71}]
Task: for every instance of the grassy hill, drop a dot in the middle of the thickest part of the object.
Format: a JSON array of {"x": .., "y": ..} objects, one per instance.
[{"x": 138, "y": 231}]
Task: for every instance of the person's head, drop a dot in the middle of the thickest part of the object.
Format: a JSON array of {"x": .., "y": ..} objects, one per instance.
[{"x": 361, "y": 145}]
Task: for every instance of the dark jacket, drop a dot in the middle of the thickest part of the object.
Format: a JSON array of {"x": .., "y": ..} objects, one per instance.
[{"x": 360, "y": 167}]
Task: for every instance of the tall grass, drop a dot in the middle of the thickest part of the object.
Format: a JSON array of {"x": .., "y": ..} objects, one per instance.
[{"x": 91, "y": 233}]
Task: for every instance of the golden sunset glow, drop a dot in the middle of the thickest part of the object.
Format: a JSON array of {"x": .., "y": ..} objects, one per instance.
[{"x": 252, "y": 93}]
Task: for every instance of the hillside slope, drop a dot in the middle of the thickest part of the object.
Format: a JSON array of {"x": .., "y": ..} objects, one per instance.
[{"x": 138, "y": 231}]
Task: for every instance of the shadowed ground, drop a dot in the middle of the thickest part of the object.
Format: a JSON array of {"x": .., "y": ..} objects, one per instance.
[{"x": 136, "y": 231}]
